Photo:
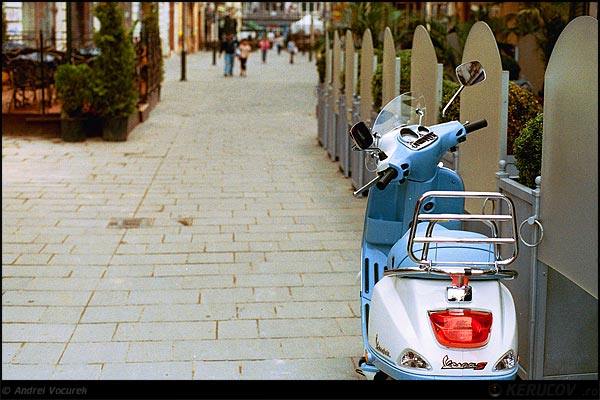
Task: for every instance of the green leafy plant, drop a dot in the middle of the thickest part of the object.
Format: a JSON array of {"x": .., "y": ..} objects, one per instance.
[
  {"x": 544, "y": 20},
  {"x": 528, "y": 151},
  {"x": 377, "y": 82},
  {"x": 453, "y": 112},
  {"x": 321, "y": 65},
  {"x": 114, "y": 76},
  {"x": 522, "y": 107},
  {"x": 72, "y": 86},
  {"x": 375, "y": 16}
]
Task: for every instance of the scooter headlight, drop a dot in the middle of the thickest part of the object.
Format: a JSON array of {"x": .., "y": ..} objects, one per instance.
[
  {"x": 507, "y": 361},
  {"x": 411, "y": 359}
]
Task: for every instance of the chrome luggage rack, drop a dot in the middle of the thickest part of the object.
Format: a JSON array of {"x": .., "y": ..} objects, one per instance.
[{"x": 467, "y": 267}]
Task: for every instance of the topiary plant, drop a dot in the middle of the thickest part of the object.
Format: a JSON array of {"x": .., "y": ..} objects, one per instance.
[
  {"x": 72, "y": 86},
  {"x": 114, "y": 76},
  {"x": 528, "y": 151}
]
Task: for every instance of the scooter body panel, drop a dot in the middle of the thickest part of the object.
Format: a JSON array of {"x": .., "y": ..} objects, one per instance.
[
  {"x": 387, "y": 220},
  {"x": 399, "y": 321}
]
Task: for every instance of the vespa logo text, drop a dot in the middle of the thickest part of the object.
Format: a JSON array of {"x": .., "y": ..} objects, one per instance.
[
  {"x": 383, "y": 350},
  {"x": 447, "y": 363}
]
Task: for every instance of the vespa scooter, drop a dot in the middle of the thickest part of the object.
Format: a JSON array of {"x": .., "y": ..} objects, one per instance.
[{"x": 433, "y": 305}]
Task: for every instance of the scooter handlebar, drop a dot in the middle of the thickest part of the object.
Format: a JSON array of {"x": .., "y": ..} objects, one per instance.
[
  {"x": 475, "y": 125},
  {"x": 386, "y": 177}
]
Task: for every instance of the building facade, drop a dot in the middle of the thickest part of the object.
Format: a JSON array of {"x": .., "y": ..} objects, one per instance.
[{"x": 196, "y": 26}]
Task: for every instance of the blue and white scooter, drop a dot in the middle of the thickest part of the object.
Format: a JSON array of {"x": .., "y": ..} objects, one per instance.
[{"x": 433, "y": 305}]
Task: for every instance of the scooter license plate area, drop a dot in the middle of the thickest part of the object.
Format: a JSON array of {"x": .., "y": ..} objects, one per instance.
[{"x": 459, "y": 294}]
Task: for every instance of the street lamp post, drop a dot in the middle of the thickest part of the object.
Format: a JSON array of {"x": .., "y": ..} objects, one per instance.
[
  {"x": 213, "y": 34},
  {"x": 69, "y": 33},
  {"x": 183, "y": 71}
]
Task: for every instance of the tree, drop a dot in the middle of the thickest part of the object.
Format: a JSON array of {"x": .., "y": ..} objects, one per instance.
[
  {"x": 545, "y": 21},
  {"x": 360, "y": 16}
]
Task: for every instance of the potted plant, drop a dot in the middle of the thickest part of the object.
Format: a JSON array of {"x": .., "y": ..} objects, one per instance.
[
  {"x": 72, "y": 86},
  {"x": 114, "y": 76},
  {"x": 528, "y": 151}
]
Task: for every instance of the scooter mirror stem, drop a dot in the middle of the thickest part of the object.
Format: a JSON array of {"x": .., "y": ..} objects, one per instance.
[
  {"x": 420, "y": 113},
  {"x": 452, "y": 99}
]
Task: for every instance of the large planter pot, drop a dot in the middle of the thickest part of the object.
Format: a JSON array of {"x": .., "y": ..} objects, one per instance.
[
  {"x": 72, "y": 129},
  {"x": 115, "y": 129},
  {"x": 93, "y": 126}
]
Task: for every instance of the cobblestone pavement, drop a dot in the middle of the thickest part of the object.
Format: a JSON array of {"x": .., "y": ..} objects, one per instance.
[{"x": 244, "y": 266}]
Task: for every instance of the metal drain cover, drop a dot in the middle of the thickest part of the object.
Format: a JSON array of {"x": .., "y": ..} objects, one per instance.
[{"x": 129, "y": 223}]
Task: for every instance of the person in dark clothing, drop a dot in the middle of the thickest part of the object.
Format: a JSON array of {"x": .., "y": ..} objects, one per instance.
[{"x": 228, "y": 46}]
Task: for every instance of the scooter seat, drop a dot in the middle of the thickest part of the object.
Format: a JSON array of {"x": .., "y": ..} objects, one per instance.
[{"x": 440, "y": 252}]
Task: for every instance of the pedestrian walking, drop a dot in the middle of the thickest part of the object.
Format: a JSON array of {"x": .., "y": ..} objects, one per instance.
[
  {"x": 279, "y": 42},
  {"x": 292, "y": 49},
  {"x": 265, "y": 45},
  {"x": 228, "y": 46},
  {"x": 244, "y": 50}
]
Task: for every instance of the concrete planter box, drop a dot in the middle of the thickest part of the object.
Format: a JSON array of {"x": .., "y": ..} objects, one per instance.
[
  {"x": 556, "y": 318},
  {"x": 322, "y": 114}
]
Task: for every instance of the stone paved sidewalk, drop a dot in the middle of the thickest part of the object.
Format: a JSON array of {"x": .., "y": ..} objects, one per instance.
[{"x": 245, "y": 263}]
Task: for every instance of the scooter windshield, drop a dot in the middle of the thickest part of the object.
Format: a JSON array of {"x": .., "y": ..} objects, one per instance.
[{"x": 406, "y": 109}]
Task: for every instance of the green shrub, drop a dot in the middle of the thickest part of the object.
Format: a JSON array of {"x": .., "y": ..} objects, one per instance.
[
  {"x": 72, "y": 86},
  {"x": 405, "y": 58},
  {"x": 320, "y": 62},
  {"x": 114, "y": 76},
  {"x": 321, "y": 65},
  {"x": 522, "y": 104},
  {"x": 377, "y": 88},
  {"x": 377, "y": 82},
  {"x": 522, "y": 107},
  {"x": 453, "y": 112},
  {"x": 528, "y": 151}
]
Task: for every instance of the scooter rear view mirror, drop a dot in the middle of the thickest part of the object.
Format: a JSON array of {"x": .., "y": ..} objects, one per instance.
[
  {"x": 361, "y": 135},
  {"x": 468, "y": 74}
]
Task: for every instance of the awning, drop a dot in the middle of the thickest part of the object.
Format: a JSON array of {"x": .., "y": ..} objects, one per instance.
[{"x": 253, "y": 26}]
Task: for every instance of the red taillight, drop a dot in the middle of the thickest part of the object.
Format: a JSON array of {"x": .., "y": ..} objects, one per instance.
[{"x": 461, "y": 328}]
